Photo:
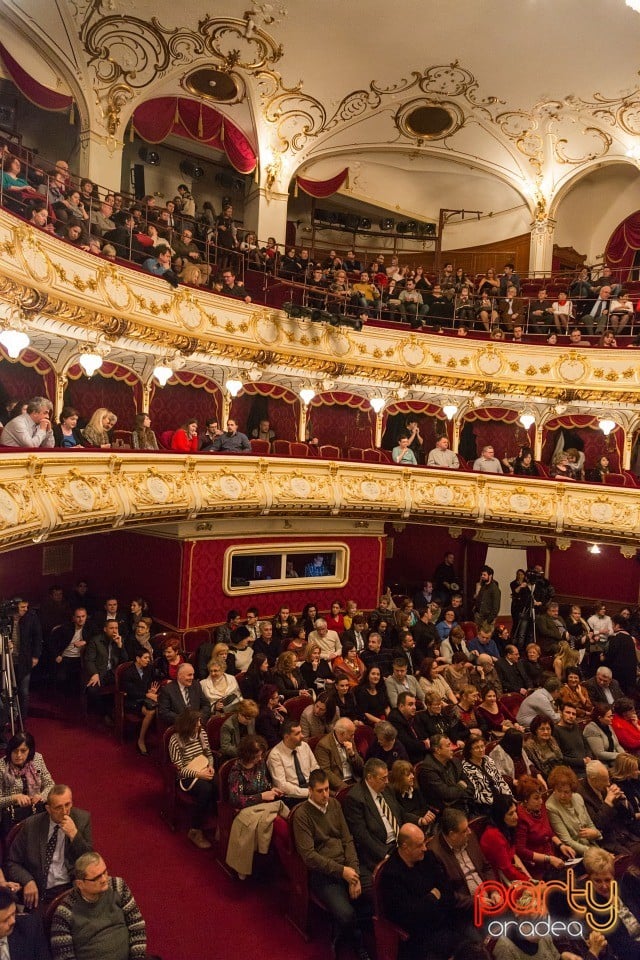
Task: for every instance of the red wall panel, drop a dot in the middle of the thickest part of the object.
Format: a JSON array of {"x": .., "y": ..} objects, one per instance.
[
  {"x": 604, "y": 576},
  {"x": 203, "y": 602},
  {"x": 417, "y": 551}
]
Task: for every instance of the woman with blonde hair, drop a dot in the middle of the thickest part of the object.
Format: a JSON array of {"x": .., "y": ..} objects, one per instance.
[
  {"x": 96, "y": 431},
  {"x": 241, "y": 723},
  {"x": 316, "y": 672},
  {"x": 220, "y": 688},
  {"x": 565, "y": 657},
  {"x": 287, "y": 677},
  {"x": 626, "y": 774},
  {"x": 402, "y": 781},
  {"x": 143, "y": 437}
]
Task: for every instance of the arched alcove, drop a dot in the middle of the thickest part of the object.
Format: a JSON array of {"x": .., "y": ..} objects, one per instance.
[
  {"x": 113, "y": 386},
  {"x": 267, "y": 401},
  {"x": 186, "y": 395}
]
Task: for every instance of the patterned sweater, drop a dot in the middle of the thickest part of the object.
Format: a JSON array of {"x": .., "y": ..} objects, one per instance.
[{"x": 111, "y": 928}]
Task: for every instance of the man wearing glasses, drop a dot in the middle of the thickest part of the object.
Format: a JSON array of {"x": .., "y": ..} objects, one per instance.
[{"x": 99, "y": 918}]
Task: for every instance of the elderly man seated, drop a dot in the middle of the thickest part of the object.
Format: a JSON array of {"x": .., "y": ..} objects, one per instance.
[
  {"x": 609, "y": 809},
  {"x": 99, "y": 918},
  {"x": 32, "y": 428},
  {"x": 487, "y": 462},
  {"x": 327, "y": 640},
  {"x": 337, "y": 755},
  {"x": 442, "y": 456},
  {"x": 603, "y": 688}
]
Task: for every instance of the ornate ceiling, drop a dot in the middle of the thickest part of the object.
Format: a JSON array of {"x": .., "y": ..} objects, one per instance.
[{"x": 535, "y": 93}]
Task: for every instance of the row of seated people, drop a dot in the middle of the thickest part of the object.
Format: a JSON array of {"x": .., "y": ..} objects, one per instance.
[
  {"x": 178, "y": 257},
  {"x": 57, "y": 899},
  {"x": 29, "y": 426}
]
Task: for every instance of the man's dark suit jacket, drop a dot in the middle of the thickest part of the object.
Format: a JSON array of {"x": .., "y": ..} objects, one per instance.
[
  {"x": 25, "y": 859},
  {"x": 368, "y": 831},
  {"x": 28, "y": 940},
  {"x": 440, "y": 784},
  {"x": 330, "y": 760},
  {"x": 96, "y": 656},
  {"x": 622, "y": 661},
  {"x": 171, "y": 702},
  {"x": 596, "y": 692},
  {"x": 444, "y": 853},
  {"x": 512, "y": 676}
]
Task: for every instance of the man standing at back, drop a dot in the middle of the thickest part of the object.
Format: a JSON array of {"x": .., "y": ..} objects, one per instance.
[{"x": 487, "y": 598}]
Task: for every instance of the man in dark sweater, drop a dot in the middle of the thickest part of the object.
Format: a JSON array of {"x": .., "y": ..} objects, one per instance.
[
  {"x": 571, "y": 740},
  {"x": 403, "y": 719},
  {"x": 511, "y": 672},
  {"x": 99, "y": 918},
  {"x": 440, "y": 776},
  {"x": 323, "y": 841},
  {"x": 418, "y": 896}
]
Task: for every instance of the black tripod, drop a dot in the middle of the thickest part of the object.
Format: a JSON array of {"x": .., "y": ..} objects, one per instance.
[{"x": 12, "y": 712}]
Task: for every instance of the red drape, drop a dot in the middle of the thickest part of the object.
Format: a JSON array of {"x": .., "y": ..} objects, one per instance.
[
  {"x": 186, "y": 395},
  {"x": 32, "y": 375},
  {"x": 35, "y": 92},
  {"x": 283, "y": 408},
  {"x": 156, "y": 119},
  {"x": 501, "y": 429},
  {"x": 623, "y": 243},
  {"x": 342, "y": 419},
  {"x": 112, "y": 371},
  {"x": 323, "y": 188},
  {"x": 86, "y": 394}
]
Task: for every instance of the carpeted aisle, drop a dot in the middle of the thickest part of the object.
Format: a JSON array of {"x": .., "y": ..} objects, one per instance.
[{"x": 193, "y": 910}]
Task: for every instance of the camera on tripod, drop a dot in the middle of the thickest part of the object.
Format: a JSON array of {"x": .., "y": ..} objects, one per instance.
[
  {"x": 8, "y": 610},
  {"x": 534, "y": 578}
]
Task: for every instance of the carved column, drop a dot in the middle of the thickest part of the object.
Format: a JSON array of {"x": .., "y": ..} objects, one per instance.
[
  {"x": 61, "y": 386},
  {"x": 541, "y": 249},
  {"x": 265, "y": 211},
  {"x": 302, "y": 422},
  {"x": 101, "y": 158}
]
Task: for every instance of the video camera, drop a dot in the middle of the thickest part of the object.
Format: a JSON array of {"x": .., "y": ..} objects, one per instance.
[
  {"x": 8, "y": 610},
  {"x": 534, "y": 578}
]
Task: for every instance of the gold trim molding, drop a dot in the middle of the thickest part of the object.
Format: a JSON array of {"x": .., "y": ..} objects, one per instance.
[{"x": 57, "y": 496}]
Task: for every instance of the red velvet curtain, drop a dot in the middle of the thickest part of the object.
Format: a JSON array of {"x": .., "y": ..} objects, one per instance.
[
  {"x": 156, "y": 119},
  {"x": 323, "y": 188},
  {"x": 342, "y": 419},
  {"x": 38, "y": 94},
  {"x": 86, "y": 394},
  {"x": 500, "y": 429},
  {"x": 185, "y": 396},
  {"x": 30, "y": 376},
  {"x": 595, "y": 443},
  {"x": 282, "y": 408},
  {"x": 623, "y": 243}
]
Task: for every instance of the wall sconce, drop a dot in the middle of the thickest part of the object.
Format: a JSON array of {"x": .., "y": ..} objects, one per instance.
[
  {"x": 307, "y": 395},
  {"x": 594, "y": 548},
  {"x": 163, "y": 374},
  {"x": 450, "y": 409},
  {"x": 91, "y": 360},
  {"x": 234, "y": 387},
  {"x": 14, "y": 342},
  {"x": 378, "y": 404},
  {"x": 527, "y": 419},
  {"x": 607, "y": 425}
]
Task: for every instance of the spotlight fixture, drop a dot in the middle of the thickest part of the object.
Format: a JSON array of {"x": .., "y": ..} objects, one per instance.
[
  {"x": 234, "y": 387},
  {"x": 190, "y": 168},
  {"x": 307, "y": 395},
  {"x": 387, "y": 224},
  {"x": 152, "y": 157},
  {"x": 14, "y": 342},
  {"x": 607, "y": 425},
  {"x": 365, "y": 223},
  {"x": 296, "y": 311}
]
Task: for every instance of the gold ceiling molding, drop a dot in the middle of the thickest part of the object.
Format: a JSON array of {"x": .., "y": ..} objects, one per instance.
[
  {"x": 128, "y": 54},
  {"x": 66, "y": 292},
  {"x": 55, "y": 496}
]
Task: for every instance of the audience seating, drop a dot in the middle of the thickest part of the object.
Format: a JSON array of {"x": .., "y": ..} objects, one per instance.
[
  {"x": 260, "y": 446},
  {"x": 478, "y": 825},
  {"x": 172, "y": 792},
  {"x": 281, "y": 447},
  {"x": 300, "y": 896},
  {"x": 120, "y": 715},
  {"x": 226, "y": 813},
  {"x": 470, "y": 630},
  {"x": 388, "y": 935},
  {"x": 194, "y": 637},
  {"x": 165, "y": 439},
  {"x": 214, "y": 726},
  {"x": 371, "y": 455},
  {"x": 363, "y": 738},
  {"x": 616, "y": 480},
  {"x": 330, "y": 452},
  {"x": 298, "y": 449},
  {"x": 355, "y": 453},
  {"x": 49, "y": 909},
  {"x": 510, "y": 704},
  {"x": 10, "y": 837},
  {"x": 296, "y": 705}
]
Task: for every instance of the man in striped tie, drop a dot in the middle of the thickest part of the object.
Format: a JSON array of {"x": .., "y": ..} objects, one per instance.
[{"x": 374, "y": 817}]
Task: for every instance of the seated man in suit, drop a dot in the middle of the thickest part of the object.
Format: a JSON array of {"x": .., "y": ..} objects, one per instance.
[
  {"x": 403, "y": 718},
  {"x": 418, "y": 896},
  {"x": 374, "y": 817},
  {"x": 99, "y": 918},
  {"x": 323, "y": 841},
  {"x": 103, "y": 654},
  {"x": 603, "y": 688},
  {"x": 457, "y": 847},
  {"x": 25, "y": 939},
  {"x": 337, "y": 756},
  {"x": 513, "y": 679},
  {"x": 42, "y": 855},
  {"x": 290, "y": 763},
  {"x": 181, "y": 693}
]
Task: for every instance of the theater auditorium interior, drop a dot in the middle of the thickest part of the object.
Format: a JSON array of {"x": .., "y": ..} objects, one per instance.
[{"x": 312, "y": 296}]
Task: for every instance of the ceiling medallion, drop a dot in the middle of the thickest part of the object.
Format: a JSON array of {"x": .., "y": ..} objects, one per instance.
[
  {"x": 212, "y": 84},
  {"x": 423, "y": 119}
]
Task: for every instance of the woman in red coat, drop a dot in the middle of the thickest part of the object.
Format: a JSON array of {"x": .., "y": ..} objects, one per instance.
[
  {"x": 185, "y": 439},
  {"x": 498, "y": 842},
  {"x": 537, "y": 845},
  {"x": 626, "y": 725}
]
